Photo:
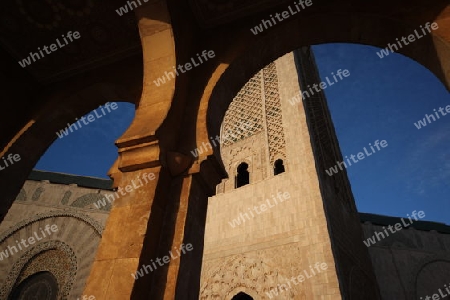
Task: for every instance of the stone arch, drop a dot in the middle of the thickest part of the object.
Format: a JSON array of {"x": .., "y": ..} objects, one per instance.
[
  {"x": 417, "y": 269},
  {"x": 39, "y": 133},
  {"x": 41, "y": 285},
  {"x": 237, "y": 155},
  {"x": 358, "y": 28},
  {"x": 247, "y": 57},
  {"x": 65, "y": 213},
  {"x": 19, "y": 265},
  {"x": 79, "y": 232},
  {"x": 154, "y": 21}
]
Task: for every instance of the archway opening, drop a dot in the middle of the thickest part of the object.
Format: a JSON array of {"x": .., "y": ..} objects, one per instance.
[
  {"x": 86, "y": 146},
  {"x": 364, "y": 106},
  {"x": 73, "y": 178},
  {"x": 42, "y": 285},
  {"x": 243, "y": 176},
  {"x": 242, "y": 296},
  {"x": 278, "y": 167}
]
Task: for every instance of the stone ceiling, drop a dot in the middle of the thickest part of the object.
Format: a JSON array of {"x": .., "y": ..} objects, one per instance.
[
  {"x": 105, "y": 36},
  {"x": 210, "y": 13},
  {"x": 26, "y": 25}
]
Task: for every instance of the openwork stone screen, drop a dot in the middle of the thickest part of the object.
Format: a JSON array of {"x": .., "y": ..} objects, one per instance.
[
  {"x": 277, "y": 145},
  {"x": 246, "y": 108},
  {"x": 257, "y": 108}
]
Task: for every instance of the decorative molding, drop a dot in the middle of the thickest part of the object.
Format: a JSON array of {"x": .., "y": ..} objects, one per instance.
[
  {"x": 22, "y": 195},
  {"x": 66, "y": 197},
  {"x": 252, "y": 275},
  {"x": 237, "y": 156},
  {"x": 37, "y": 193},
  {"x": 52, "y": 214},
  {"x": 33, "y": 252},
  {"x": 89, "y": 199},
  {"x": 139, "y": 155}
]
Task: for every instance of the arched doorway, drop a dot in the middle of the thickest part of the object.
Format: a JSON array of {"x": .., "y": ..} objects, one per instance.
[{"x": 39, "y": 286}]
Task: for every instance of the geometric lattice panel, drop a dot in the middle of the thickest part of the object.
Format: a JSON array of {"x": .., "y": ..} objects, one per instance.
[
  {"x": 255, "y": 106},
  {"x": 244, "y": 116},
  {"x": 274, "y": 120}
]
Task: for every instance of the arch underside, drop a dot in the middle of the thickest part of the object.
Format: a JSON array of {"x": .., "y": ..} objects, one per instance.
[{"x": 431, "y": 51}]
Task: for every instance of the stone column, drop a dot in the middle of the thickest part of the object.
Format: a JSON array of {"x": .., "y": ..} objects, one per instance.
[
  {"x": 134, "y": 228},
  {"x": 131, "y": 234},
  {"x": 149, "y": 222},
  {"x": 184, "y": 223}
]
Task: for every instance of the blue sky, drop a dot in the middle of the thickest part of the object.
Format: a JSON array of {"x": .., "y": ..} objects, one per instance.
[
  {"x": 90, "y": 150},
  {"x": 381, "y": 99}
]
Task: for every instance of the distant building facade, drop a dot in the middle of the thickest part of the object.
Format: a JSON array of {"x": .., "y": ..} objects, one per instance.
[{"x": 36, "y": 261}]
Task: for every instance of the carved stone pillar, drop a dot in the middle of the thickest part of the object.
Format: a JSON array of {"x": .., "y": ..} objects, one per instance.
[
  {"x": 154, "y": 220},
  {"x": 134, "y": 228},
  {"x": 127, "y": 228},
  {"x": 184, "y": 223}
]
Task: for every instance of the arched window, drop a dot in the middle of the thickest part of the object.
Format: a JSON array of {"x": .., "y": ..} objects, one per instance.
[
  {"x": 242, "y": 296},
  {"x": 278, "y": 167},
  {"x": 243, "y": 176}
]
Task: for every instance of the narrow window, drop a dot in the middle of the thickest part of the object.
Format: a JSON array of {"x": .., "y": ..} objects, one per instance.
[
  {"x": 278, "y": 167},
  {"x": 243, "y": 176},
  {"x": 242, "y": 296}
]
